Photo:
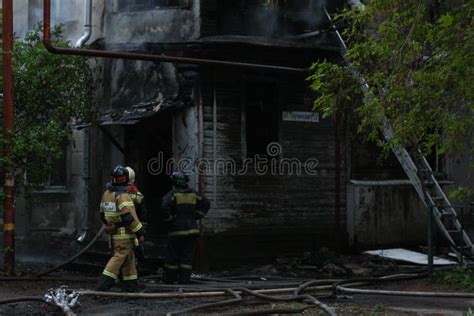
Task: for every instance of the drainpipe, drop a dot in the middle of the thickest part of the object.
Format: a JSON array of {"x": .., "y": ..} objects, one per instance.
[
  {"x": 86, "y": 35},
  {"x": 86, "y": 178},
  {"x": 9, "y": 185},
  {"x": 87, "y": 24}
]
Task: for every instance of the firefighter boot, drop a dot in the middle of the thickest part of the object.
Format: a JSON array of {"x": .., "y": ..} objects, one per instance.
[
  {"x": 130, "y": 286},
  {"x": 184, "y": 276},
  {"x": 105, "y": 283},
  {"x": 170, "y": 276}
]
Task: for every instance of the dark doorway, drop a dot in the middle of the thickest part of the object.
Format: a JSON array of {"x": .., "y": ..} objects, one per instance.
[
  {"x": 262, "y": 117},
  {"x": 148, "y": 144}
]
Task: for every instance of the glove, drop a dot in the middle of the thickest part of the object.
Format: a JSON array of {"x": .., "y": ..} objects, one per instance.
[
  {"x": 126, "y": 219},
  {"x": 110, "y": 229},
  {"x": 140, "y": 235},
  {"x": 139, "y": 253}
]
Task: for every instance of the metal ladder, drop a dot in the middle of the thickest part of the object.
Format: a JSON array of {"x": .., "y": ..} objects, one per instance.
[{"x": 421, "y": 176}]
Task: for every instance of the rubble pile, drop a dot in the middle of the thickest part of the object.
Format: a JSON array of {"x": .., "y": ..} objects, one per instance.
[{"x": 323, "y": 263}]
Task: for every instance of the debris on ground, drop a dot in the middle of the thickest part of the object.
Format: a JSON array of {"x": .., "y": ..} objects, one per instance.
[
  {"x": 408, "y": 256},
  {"x": 284, "y": 272},
  {"x": 326, "y": 263}
]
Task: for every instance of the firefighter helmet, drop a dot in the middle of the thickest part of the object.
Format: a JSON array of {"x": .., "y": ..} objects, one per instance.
[
  {"x": 179, "y": 179},
  {"x": 120, "y": 176},
  {"x": 131, "y": 175}
]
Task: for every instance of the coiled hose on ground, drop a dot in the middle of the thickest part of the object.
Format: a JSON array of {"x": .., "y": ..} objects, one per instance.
[
  {"x": 295, "y": 290},
  {"x": 215, "y": 287},
  {"x": 22, "y": 299},
  {"x": 252, "y": 285}
]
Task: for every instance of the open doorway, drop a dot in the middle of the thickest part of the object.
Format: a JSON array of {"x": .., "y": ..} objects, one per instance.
[{"x": 150, "y": 142}]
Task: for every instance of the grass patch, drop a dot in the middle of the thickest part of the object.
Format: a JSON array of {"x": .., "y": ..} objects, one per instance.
[
  {"x": 460, "y": 277},
  {"x": 469, "y": 312}
]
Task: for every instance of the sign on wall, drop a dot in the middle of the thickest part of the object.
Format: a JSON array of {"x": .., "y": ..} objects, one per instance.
[{"x": 295, "y": 116}]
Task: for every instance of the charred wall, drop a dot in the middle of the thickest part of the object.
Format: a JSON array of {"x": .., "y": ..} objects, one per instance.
[
  {"x": 274, "y": 213},
  {"x": 152, "y": 24},
  {"x": 259, "y": 18}
]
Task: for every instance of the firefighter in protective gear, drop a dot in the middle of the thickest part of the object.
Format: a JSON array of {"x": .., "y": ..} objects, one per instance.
[
  {"x": 182, "y": 207},
  {"x": 139, "y": 203},
  {"x": 137, "y": 197},
  {"x": 122, "y": 224}
]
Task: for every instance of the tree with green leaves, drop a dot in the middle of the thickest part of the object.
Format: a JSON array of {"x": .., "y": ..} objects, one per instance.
[
  {"x": 51, "y": 91},
  {"x": 418, "y": 59}
]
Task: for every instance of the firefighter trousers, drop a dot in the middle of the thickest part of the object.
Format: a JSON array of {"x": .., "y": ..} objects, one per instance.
[
  {"x": 123, "y": 260},
  {"x": 179, "y": 258}
]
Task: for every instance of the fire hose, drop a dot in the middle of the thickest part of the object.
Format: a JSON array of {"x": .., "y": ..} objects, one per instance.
[
  {"x": 59, "y": 266},
  {"x": 216, "y": 287},
  {"x": 77, "y": 255},
  {"x": 63, "y": 298},
  {"x": 21, "y": 299}
]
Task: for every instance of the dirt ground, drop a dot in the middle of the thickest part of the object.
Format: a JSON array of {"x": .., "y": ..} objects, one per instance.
[
  {"x": 293, "y": 271},
  {"x": 344, "y": 305}
]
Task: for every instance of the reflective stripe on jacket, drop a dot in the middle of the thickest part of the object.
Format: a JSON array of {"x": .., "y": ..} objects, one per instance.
[
  {"x": 182, "y": 208},
  {"x": 116, "y": 204}
]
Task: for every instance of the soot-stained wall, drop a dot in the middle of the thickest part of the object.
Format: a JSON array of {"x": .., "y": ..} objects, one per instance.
[
  {"x": 267, "y": 213},
  {"x": 128, "y": 83},
  {"x": 125, "y": 25},
  {"x": 274, "y": 18},
  {"x": 389, "y": 215}
]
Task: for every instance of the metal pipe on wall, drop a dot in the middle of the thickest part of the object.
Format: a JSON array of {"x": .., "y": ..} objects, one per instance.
[
  {"x": 87, "y": 24},
  {"x": 86, "y": 35},
  {"x": 86, "y": 179},
  {"x": 8, "y": 110},
  {"x": 140, "y": 56}
]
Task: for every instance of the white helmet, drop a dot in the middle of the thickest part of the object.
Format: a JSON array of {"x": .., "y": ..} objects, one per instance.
[{"x": 131, "y": 175}]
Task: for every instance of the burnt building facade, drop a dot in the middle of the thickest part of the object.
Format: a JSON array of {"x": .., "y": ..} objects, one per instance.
[{"x": 281, "y": 179}]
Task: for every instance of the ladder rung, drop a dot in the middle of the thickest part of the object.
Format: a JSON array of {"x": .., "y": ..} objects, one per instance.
[
  {"x": 447, "y": 214},
  {"x": 437, "y": 198},
  {"x": 457, "y": 231}
]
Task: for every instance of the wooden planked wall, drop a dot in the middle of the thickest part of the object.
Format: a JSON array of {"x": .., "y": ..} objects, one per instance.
[{"x": 268, "y": 215}]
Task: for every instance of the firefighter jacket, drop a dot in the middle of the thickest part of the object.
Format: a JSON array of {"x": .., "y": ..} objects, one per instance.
[
  {"x": 138, "y": 201},
  {"x": 117, "y": 208},
  {"x": 182, "y": 208}
]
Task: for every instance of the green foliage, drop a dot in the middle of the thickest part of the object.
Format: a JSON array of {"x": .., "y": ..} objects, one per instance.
[
  {"x": 460, "y": 195},
  {"x": 469, "y": 312},
  {"x": 378, "y": 309},
  {"x": 418, "y": 60},
  {"x": 460, "y": 277},
  {"x": 1, "y": 41},
  {"x": 50, "y": 91}
]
